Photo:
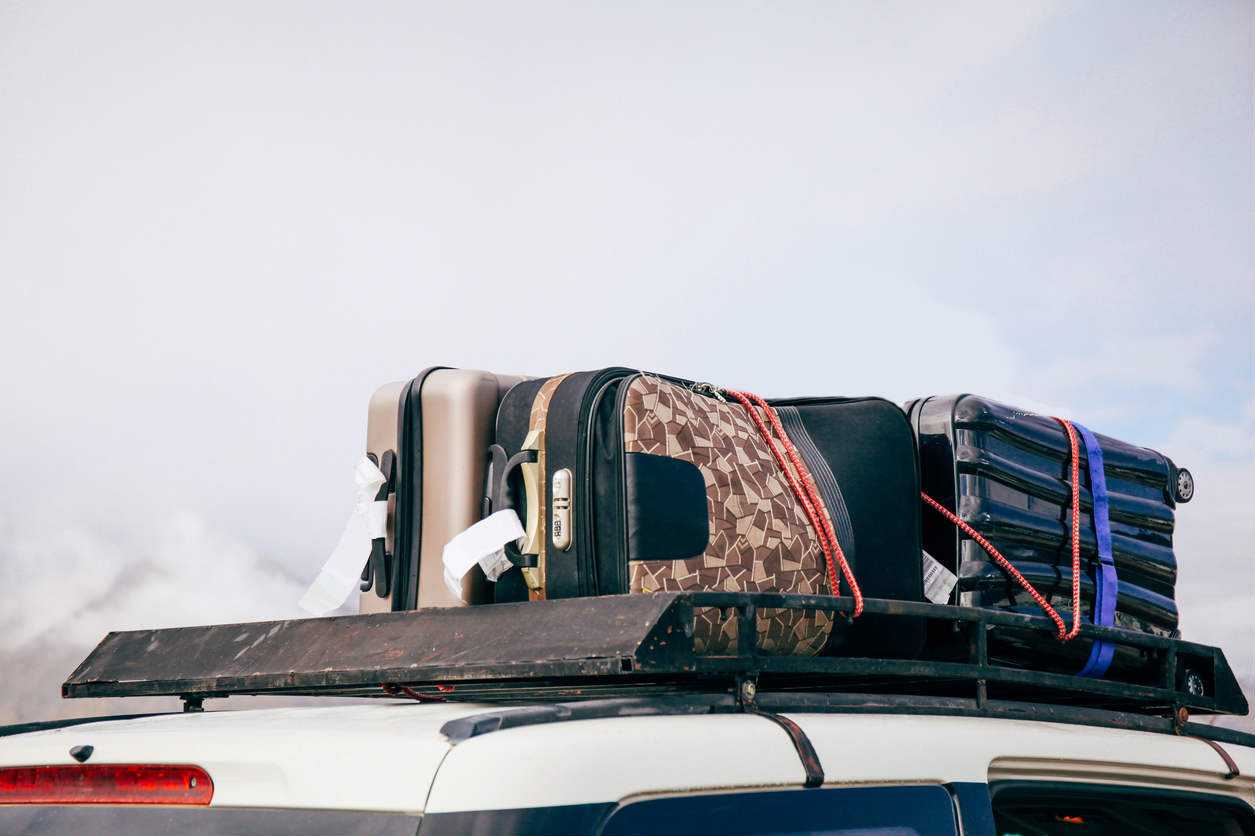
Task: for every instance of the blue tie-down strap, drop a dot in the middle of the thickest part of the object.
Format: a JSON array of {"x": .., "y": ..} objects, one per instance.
[{"x": 1106, "y": 584}]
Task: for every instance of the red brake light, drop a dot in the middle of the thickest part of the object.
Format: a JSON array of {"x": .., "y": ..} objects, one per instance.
[{"x": 105, "y": 784}]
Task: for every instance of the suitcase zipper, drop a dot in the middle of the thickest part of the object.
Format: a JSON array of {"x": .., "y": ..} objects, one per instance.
[
  {"x": 620, "y": 481},
  {"x": 709, "y": 390},
  {"x": 585, "y": 542}
]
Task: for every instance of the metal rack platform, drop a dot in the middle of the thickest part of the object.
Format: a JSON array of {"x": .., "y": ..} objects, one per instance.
[{"x": 642, "y": 646}]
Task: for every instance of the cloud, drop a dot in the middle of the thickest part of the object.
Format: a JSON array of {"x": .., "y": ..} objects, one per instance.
[
  {"x": 1173, "y": 362},
  {"x": 1212, "y": 541},
  {"x": 77, "y": 583},
  {"x": 68, "y": 584}
]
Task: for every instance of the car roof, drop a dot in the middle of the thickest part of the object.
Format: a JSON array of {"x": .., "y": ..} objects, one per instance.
[
  {"x": 611, "y": 759},
  {"x": 394, "y": 756},
  {"x": 380, "y": 756}
]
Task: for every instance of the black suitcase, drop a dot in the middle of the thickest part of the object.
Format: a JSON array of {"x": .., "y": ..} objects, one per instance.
[
  {"x": 1006, "y": 473},
  {"x": 614, "y": 503}
]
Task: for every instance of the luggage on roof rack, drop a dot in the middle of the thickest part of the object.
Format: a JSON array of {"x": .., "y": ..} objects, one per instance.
[
  {"x": 645, "y": 483},
  {"x": 1006, "y": 473},
  {"x": 429, "y": 436},
  {"x": 643, "y": 495}
]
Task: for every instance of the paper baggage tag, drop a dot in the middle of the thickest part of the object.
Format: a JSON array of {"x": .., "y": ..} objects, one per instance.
[
  {"x": 938, "y": 580},
  {"x": 483, "y": 544},
  {"x": 342, "y": 572}
]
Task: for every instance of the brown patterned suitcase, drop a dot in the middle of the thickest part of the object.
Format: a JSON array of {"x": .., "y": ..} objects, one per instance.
[
  {"x": 429, "y": 435},
  {"x": 633, "y": 483}
]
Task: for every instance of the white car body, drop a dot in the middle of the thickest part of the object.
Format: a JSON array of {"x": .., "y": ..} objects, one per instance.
[{"x": 392, "y": 757}]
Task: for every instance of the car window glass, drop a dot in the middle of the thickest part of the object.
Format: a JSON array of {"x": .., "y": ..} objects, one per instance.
[
  {"x": 1052, "y": 809},
  {"x": 833, "y": 811}
]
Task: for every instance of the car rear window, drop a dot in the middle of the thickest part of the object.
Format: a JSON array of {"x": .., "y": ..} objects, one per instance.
[
  {"x": 1055, "y": 809},
  {"x": 71, "y": 820},
  {"x": 837, "y": 811}
]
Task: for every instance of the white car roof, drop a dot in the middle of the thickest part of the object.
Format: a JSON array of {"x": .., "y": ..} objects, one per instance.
[
  {"x": 357, "y": 757},
  {"x": 391, "y": 756}
]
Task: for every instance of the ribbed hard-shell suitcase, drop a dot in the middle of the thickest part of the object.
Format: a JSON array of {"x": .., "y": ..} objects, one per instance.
[
  {"x": 634, "y": 482},
  {"x": 430, "y": 436},
  {"x": 1006, "y": 473}
]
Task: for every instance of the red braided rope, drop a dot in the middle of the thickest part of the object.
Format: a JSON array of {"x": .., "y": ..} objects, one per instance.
[
  {"x": 1064, "y": 633},
  {"x": 802, "y": 492},
  {"x": 804, "y": 473},
  {"x": 1076, "y": 528},
  {"x": 1003, "y": 562},
  {"x": 806, "y": 494}
]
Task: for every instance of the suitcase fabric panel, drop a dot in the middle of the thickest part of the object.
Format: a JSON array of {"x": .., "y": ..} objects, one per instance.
[
  {"x": 825, "y": 480},
  {"x": 514, "y": 413},
  {"x": 540, "y": 403},
  {"x": 760, "y": 538},
  {"x": 868, "y": 444},
  {"x": 870, "y": 448}
]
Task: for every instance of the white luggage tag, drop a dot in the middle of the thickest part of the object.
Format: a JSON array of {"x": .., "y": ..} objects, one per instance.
[
  {"x": 938, "y": 580},
  {"x": 342, "y": 572},
  {"x": 484, "y": 544}
]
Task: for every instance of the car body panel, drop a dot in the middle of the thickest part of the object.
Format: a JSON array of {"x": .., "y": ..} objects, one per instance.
[
  {"x": 588, "y": 761},
  {"x": 390, "y": 756},
  {"x": 866, "y": 747},
  {"x": 349, "y": 757}
]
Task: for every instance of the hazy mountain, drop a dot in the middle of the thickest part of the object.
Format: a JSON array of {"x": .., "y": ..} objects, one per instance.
[{"x": 68, "y": 585}]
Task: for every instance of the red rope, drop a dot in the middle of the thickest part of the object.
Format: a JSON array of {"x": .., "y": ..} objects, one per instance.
[
  {"x": 1076, "y": 528},
  {"x": 806, "y": 494},
  {"x": 1003, "y": 562},
  {"x": 1064, "y": 633}
]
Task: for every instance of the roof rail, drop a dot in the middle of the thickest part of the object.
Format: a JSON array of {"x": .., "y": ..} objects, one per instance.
[{"x": 476, "y": 725}]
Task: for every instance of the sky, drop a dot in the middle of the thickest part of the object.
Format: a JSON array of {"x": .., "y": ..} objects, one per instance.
[{"x": 223, "y": 225}]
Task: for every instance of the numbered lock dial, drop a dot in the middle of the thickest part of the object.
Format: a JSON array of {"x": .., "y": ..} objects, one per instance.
[{"x": 560, "y": 524}]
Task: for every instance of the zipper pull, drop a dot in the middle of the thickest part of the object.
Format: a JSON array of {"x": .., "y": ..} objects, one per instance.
[{"x": 709, "y": 390}]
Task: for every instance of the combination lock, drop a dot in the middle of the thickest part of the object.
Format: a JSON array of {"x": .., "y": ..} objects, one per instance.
[{"x": 560, "y": 525}]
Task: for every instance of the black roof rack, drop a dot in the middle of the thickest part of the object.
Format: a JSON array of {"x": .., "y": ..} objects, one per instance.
[{"x": 642, "y": 646}]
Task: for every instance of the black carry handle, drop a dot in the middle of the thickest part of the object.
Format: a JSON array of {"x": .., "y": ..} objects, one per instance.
[
  {"x": 502, "y": 496},
  {"x": 496, "y": 464},
  {"x": 378, "y": 571}
]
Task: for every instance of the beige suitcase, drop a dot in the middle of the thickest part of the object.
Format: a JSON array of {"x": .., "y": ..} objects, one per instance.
[{"x": 430, "y": 436}]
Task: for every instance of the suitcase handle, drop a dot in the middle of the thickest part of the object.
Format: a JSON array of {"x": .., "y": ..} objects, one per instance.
[
  {"x": 525, "y": 463},
  {"x": 378, "y": 569}
]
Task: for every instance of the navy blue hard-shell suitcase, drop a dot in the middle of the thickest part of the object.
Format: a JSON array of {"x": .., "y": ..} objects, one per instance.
[{"x": 1005, "y": 472}]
